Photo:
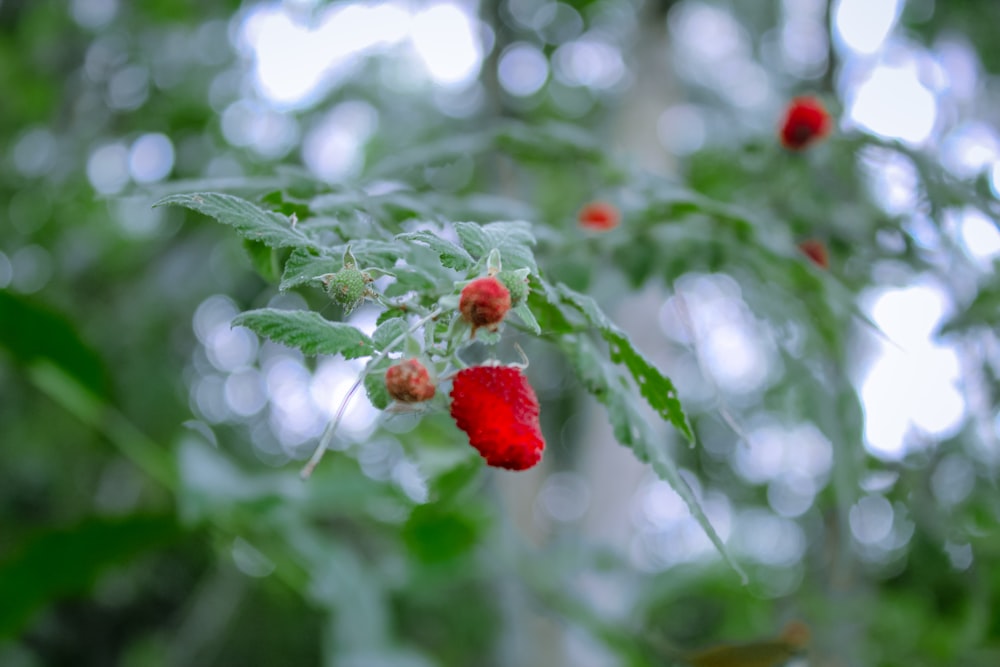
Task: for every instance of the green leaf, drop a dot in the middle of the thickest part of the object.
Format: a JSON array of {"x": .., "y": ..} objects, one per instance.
[
  {"x": 375, "y": 387},
  {"x": 632, "y": 429},
  {"x": 303, "y": 266},
  {"x": 473, "y": 238},
  {"x": 446, "y": 487},
  {"x": 450, "y": 148},
  {"x": 512, "y": 239},
  {"x": 268, "y": 261},
  {"x": 388, "y": 331},
  {"x": 549, "y": 315},
  {"x": 31, "y": 332},
  {"x": 452, "y": 256},
  {"x": 550, "y": 142},
  {"x": 249, "y": 220},
  {"x": 435, "y": 535},
  {"x": 982, "y": 312},
  {"x": 307, "y": 331},
  {"x": 67, "y": 561},
  {"x": 655, "y": 387},
  {"x": 522, "y": 311}
]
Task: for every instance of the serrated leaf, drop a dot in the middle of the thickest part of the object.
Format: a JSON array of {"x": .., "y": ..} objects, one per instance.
[
  {"x": 307, "y": 331},
  {"x": 451, "y": 255},
  {"x": 632, "y": 430},
  {"x": 472, "y": 237},
  {"x": 303, "y": 267},
  {"x": 388, "y": 331},
  {"x": 249, "y": 220},
  {"x": 513, "y": 239},
  {"x": 655, "y": 387}
]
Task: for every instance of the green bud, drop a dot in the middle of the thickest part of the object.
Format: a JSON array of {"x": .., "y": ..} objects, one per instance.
[
  {"x": 347, "y": 288},
  {"x": 516, "y": 283}
]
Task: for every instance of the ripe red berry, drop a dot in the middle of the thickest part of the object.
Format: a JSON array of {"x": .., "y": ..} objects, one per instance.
[
  {"x": 598, "y": 216},
  {"x": 409, "y": 382},
  {"x": 816, "y": 251},
  {"x": 498, "y": 410},
  {"x": 484, "y": 302},
  {"x": 806, "y": 120}
]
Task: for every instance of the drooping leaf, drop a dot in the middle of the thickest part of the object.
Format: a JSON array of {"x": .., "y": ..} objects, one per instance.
[
  {"x": 67, "y": 561},
  {"x": 249, "y": 220},
  {"x": 307, "y": 331},
  {"x": 655, "y": 387},
  {"x": 632, "y": 429},
  {"x": 452, "y": 256}
]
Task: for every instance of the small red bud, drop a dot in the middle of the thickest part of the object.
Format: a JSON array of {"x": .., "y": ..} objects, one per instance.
[
  {"x": 806, "y": 120},
  {"x": 484, "y": 302},
  {"x": 599, "y": 216},
  {"x": 816, "y": 251},
  {"x": 409, "y": 382}
]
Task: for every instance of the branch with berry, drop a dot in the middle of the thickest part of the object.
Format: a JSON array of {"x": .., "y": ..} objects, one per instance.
[{"x": 441, "y": 284}]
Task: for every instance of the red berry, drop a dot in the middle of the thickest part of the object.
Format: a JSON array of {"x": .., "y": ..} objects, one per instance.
[
  {"x": 599, "y": 216},
  {"x": 816, "y": 251},
  {"x": 498, "y": 410},
  {"x": 484, "y": 302},
  {"x": 409, "y": 382},
  {"x": 806, "y": 120}
]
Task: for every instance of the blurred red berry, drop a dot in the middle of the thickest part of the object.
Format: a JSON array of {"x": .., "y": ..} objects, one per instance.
[
  {"x": 409, "y": 382},
  {"x": 816, "y": 251},
  {"x": 484, "y": 302},
  {"x": 806, "y": 120},
  {"x": 599, "y": 216},
  {"x": 498, "y": 410}
]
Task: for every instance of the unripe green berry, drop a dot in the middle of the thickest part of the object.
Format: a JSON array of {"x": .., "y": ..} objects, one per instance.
[
  {"x": 517, "y": 286},
  {"x": 347, "y": 288}
]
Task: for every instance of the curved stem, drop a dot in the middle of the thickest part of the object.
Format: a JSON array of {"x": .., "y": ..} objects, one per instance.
[{"x": 324, "y": 442}]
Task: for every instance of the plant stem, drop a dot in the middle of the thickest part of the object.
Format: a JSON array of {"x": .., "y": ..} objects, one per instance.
[{"x": 324, "y": 441}]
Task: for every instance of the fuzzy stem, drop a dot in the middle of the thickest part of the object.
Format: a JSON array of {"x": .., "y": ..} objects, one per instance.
[{"x": 324, "y": 442}]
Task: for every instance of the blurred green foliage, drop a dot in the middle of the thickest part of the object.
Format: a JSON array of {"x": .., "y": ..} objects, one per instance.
[{"x": 138, "y": 530}]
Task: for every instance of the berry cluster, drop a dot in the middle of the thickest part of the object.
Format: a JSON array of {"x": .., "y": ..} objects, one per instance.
[{"x": 494, "y": 405}]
